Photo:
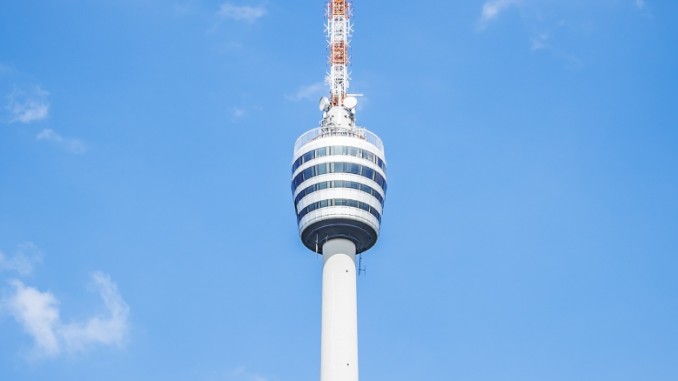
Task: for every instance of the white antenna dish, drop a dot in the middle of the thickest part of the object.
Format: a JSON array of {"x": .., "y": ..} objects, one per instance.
[
  {"x": 324, "y": 104},
  {"x": 350, "y": 102}
]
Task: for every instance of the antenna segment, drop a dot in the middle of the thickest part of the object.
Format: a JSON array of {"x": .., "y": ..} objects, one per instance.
[{"x": 339, "y": 30}]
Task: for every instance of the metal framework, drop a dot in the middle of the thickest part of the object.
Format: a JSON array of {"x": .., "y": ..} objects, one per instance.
[{"x": 339, "y": 30}]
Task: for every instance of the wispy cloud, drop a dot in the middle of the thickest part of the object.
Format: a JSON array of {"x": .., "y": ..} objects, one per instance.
[
  {"x": 241, "y": 12},
  {"x": 246, "y": 108},
  {"x": 39, "y": 315},
  {"x": 71, "y": 145},
  {"x": 540, "y": 41},
  {"x": 238, "y": 113},
  {"x": 640, "y": 4},
  {"x": 308, "y": 92},
  {"x": 183, "y": 8},
  {"x": 242, "y": 374},
  {"x": 4, "y": 69},
  {"x": 493, "y": 8},
  {"x": 27, "y": 105},
  {"x": 22, "y": 261},
  {"x": 108, "y": 329}
]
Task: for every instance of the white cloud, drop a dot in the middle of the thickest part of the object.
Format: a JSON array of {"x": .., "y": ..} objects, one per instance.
[
  {"x": 28, "y": 105},
  {"x": 241, "y": 12},
  {"x": 640, "y": 4},
  {"x": 22, "y": 261},
  {"x": 71, "y": 145},
  {"x": 38, "y": 313},
  {"x": 540, "y": 41},
  {"x": 242, "y": 374},
  {"x": 4, "y": 69},
  {"x": 183, "y": 9},
  {"x": 107, "y": 329},
  {"x": 237, "y": 113},
  {"x": 493, "y": 8},
  {"x": 308, "y": 92}
]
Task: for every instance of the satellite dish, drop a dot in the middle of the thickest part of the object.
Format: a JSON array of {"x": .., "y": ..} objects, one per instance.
[
  {"x": 350, "y": 102},
  {"x": 324, "y": 104}
]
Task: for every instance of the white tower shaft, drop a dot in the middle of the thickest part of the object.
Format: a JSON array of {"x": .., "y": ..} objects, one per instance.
[{"x": 339, "y": 339}]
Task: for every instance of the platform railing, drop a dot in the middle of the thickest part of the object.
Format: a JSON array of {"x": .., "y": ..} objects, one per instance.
[{"x": 356, "y": 132}]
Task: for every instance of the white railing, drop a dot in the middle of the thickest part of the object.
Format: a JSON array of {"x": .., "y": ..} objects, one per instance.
[{"x": 322, "y": 132}]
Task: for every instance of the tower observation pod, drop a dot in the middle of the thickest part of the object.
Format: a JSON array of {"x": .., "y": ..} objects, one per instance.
[{"x": 338, "y": 187}]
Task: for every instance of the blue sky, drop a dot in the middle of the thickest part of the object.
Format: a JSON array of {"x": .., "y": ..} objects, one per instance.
[{"x": 146, "y": 224}]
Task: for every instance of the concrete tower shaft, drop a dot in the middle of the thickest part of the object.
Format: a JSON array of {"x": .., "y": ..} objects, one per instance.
[{"x": 339, "y": 339}]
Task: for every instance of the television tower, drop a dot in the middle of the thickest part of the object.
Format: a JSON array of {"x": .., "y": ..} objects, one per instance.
[{"x": 338, "y": 185}]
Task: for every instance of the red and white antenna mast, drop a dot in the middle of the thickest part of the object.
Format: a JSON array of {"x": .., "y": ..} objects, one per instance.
[{"x": 339, "y": 30}]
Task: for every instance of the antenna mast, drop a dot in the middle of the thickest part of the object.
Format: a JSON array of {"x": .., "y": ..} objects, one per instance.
[{"x": 339, "y": 30}]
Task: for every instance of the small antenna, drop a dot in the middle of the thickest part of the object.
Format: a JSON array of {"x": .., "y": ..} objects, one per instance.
[
  {"x": 350, "y": 102},
  {"x": 361, "y": 269},
  {"x": 324, "y": 104}
]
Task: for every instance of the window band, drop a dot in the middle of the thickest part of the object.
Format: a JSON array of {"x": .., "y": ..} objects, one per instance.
[
  {"x": 339, "y": 184},
  {"x": 338, "y": 150},
  {"x": 333, "y": 167},
  {"x": 338, "y": 202}
]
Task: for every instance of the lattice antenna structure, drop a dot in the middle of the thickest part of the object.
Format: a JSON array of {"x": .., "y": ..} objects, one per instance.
[{"x": 339, "y": 30}]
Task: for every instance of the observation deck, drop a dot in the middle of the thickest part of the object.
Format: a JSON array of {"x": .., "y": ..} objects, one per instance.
[{"x": 339, "y": 185}]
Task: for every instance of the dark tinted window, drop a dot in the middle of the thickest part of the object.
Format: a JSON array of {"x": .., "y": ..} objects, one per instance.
[
  {"x": 338, "y": 168},
  {"x": 338, "y": 150},
  {"x": 338, "y": 202}
]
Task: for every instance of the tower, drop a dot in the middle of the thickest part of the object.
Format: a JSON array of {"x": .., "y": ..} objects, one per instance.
[{"x": 338, "y": 185}]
